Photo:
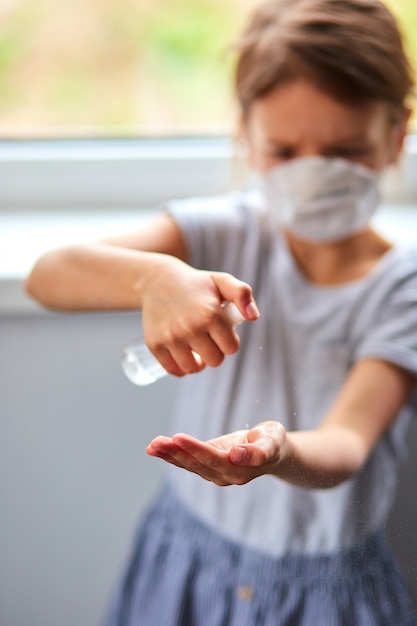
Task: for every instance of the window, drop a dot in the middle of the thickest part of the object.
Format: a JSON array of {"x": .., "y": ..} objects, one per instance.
[
  {"x": 406, "y": 13},
  {"x": 117, "y": 67},
  {"x": 124, "y": 67}
]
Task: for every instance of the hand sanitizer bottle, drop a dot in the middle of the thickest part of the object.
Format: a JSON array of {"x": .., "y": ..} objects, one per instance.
[{"x": 140, "y": 365}]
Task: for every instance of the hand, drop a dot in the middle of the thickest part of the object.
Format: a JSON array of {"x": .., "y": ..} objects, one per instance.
[
  {"x": 183, "y": 315},
  {"x": 233, "y": 459}
]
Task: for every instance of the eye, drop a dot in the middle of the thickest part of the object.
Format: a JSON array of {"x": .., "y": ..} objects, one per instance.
[
  {"x": 350, "y": 153},
  {"x": 284, "y": 153}
]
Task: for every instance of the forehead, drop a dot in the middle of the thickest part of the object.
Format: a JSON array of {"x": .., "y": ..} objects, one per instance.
[{"x": 299, "y": 111}]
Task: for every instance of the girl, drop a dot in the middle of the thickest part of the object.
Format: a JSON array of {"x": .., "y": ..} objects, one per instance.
[{"x": 318, "y": 392}]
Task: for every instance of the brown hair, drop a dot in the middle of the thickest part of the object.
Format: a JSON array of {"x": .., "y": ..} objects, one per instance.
[{"x": 352, "y": 49}]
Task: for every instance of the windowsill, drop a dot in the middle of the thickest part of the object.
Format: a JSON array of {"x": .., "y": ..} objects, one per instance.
[
  {"x": 58, "y": 192},
  {"x": 24, "y": 237}
]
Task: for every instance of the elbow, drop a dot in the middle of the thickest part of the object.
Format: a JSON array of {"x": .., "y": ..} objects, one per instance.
[
  {"x": 333, "y": 475},
  {"x": 33, "y": 289},
  {"x": 29, "y": 284},
  {"x": 340, "y": 475},
  {"x": 336, "y": 479},
  {"x": 350, "y": 452},
  {"x": 323, "y": 478},
  {"x": 45, "y": 282},
  {"x": 39, "y": 282}
]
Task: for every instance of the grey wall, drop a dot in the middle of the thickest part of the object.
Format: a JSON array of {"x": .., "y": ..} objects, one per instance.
[{"x": 74, "y": 475}]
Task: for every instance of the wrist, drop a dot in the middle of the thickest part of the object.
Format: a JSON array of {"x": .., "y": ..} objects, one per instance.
[
  {"x": 150, "y": 268},
  {"x": 283, "y": 466}
]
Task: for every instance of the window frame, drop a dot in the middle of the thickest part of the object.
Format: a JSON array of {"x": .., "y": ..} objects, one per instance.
[{"x": 108, "y": 174}]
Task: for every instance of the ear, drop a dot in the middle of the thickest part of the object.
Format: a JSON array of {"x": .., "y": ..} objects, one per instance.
[{"x": 397, "y": 137}]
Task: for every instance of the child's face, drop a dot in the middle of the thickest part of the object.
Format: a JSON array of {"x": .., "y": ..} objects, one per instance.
[{"x": 298, "y": 120}]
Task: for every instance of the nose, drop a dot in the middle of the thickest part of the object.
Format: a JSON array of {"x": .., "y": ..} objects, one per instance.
[{"x": 310, "y": 151}]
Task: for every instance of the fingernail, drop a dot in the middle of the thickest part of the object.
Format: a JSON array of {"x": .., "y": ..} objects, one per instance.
[
  {"x": 240, "y": 455},
  {"x": 252, "y": 310}
]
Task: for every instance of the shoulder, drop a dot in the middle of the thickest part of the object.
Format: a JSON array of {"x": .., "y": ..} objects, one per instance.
[
  {"x": 390, "y": 291},
  {"x": 400, "y": 270},
  {"x": 218, "y": 230},
  {"x": 236, "y": 208},
  {"x": 387, "y": 314},
  {"x": 405, "y": 256}
]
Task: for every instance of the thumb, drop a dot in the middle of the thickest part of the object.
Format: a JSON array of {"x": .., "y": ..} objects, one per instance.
[
  {"x": 251, "y": 455},
  {"x": 233, "y": 290},
  {"x": 265, "y": 445}
]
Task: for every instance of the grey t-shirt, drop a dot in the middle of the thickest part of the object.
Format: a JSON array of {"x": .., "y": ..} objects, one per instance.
[{"x": 290, "y": 367}]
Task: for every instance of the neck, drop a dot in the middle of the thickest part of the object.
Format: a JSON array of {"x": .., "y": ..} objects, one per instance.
[{"x": 333, "y": 263}]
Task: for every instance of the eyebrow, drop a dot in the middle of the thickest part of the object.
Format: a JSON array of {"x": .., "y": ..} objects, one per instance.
[{"x": 339, "y": 141}]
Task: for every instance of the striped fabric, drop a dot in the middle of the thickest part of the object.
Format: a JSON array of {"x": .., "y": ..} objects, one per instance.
[{"x": 182, "y": 574}]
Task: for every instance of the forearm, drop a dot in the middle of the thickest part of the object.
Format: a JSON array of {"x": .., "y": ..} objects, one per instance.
[
  {"x": 321, "y": 458},
  {"x": 92, "y": 277},
  {"x": 371, "y": 398},
  {"x": 369, "y": 402}
]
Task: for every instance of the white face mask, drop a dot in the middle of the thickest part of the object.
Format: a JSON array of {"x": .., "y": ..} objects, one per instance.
[{"x": 321, "y": 199}]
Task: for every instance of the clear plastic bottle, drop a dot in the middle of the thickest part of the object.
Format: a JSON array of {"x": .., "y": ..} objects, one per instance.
[{"x": 140, "y": 365}]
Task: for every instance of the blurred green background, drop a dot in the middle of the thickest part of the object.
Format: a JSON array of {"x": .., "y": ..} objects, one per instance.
[{"x": 125, "y": 67}]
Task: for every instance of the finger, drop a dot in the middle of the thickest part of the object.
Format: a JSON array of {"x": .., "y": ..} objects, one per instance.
[
  {"x": 180, "y": 360},
  {"x": 210, "y": 464},
  {"x": 186, "y": 461},
  {"x": 162, "y": 447},
  {"x": 167, "y": 450},
  {"x": 188, "y": 360},
  {"x": 204, "y": 453},
  {"x": 161, "y": 441},
  {"x": 238, "y": 292},
  {"x": 225, "y": 336},
  {"x": 165, "y": 358},
  {"x": 225, "y": 442},
  {"x": 165, "y": 457},
  {"x": 219, "y": 339},
  {"x": 269, "y": 434},
  {"x": 165, "y": 447},
  {"x": 210, "y": 352},
  {"x": 249, "y": 455},
  {"x": 264, "y": 446},
  {"x": 169, "y": 446}
]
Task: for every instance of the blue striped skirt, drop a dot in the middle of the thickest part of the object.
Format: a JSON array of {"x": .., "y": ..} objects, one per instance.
[{"x": 181, "y": 573}]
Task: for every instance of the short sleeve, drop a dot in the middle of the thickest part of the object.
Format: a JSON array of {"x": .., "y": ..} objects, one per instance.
[
  {"x": 392, "y": 333},
  {"x": 215, "y": 229}
]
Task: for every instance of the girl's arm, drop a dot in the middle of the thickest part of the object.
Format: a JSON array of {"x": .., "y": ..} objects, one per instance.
[
  {"x": 105, "y": 274},
  {"x": 370, "y": 400},
  {"x": 146, "y": 270}
]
